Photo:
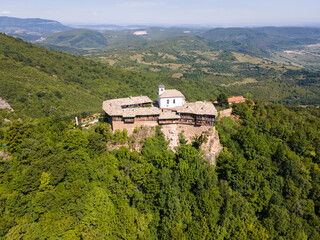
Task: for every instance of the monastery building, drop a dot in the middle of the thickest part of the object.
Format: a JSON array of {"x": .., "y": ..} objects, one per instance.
[{"x": 171, "y": 109}]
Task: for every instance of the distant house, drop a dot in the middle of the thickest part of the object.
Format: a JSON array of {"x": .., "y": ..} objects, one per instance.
[
  {"x": 140, "y": 33},
  {"x": 169, "y": 98},
  {"x": 236, "y": 100}
]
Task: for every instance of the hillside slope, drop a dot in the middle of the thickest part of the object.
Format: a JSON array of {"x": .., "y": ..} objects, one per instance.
[
  {"x": 61, "y": 183},
  {"x": 201, "y": 68},
  {"x": 264, "y": 40},
  {"x": 39, "y": 82},
  {"x": 77, "y": 38}
]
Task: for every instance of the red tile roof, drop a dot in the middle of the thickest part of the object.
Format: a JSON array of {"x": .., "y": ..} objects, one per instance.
[{"x": 236, "y": 99}]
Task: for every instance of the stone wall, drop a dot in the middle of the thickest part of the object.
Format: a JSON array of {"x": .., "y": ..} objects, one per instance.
[
  {"x": 131, "y": 126},
  {"x": 225, "y": 113}
]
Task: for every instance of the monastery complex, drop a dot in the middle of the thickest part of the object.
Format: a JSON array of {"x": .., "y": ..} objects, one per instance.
[{"x": 171, "y": 109}]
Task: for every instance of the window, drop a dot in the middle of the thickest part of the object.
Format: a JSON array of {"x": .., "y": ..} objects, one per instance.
[
  {"x": 168, "y": 101},
  {"x": 174, "y": 101}
]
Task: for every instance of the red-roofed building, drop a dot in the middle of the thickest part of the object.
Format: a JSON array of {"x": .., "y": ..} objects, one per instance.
[{"x": 236, "y": 100}]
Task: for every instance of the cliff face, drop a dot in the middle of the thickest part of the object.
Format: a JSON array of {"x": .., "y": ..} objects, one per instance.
[{"x": 211, "y": 147}]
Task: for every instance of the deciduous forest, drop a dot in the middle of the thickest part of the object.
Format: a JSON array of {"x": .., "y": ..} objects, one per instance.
[
  {"x": 62, "y": 183},
  {"x": 59, "y": 181}
]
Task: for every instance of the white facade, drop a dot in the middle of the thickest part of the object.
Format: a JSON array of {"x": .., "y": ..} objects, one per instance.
[
  {"x": 169, "y": 98},
  {"x": 161, "y": 89},
  {"x": 171, "y": 102}
]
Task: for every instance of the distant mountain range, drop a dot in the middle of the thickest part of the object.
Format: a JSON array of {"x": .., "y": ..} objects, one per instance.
[
  {"x": 266, "y": 38},
  {"x": 112, "y": 27},
  {"x": 33, "y": 26},
  {"x": 87, "y": 38},
  {"x": 257, "y": 41}
]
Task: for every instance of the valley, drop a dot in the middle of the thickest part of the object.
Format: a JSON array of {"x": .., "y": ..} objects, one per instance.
[
  {"x": 194, "y": 60},
  {"x": 307, "y": 56},
  {"x": 249, "y": 171}
]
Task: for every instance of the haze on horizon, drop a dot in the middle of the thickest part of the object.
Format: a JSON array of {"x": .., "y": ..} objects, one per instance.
[{"x": 165, "y": 12}]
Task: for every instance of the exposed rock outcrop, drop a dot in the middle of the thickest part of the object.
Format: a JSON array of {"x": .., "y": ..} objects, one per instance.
[
  {"x": 211, "y": 147},
  {"x": 4, "y": 156},
  {"x": 4, "y": 104}
]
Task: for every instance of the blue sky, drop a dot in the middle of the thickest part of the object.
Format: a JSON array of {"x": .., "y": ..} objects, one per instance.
[{"x": 124, "y": 12}]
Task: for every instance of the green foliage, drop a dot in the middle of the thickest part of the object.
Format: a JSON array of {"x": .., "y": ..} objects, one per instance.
[
  {"x": 203, "y": 68},
  {"x": 40, "y": 83},
  {"x": 261, "y": 41},
  {"x": 77, "y": 38},
  {"x": 223, "y": 100},
  {"x": 268, "y": 158},
  {"x": 182, "y": 139},
  {"x": 75, "y": 139},
  {"x": 15, "y": 136},
  {"x": 120, "y": 136},
  {"x": 198, "y": 140},
  {"x": 63, "y": 183}
]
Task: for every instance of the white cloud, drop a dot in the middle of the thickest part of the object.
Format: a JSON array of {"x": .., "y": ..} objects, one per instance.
[
  {"x": 5, "y": 12},
  {"x": 140, "y": 4}
]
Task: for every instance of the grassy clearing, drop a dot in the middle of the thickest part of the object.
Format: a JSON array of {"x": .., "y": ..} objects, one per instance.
[
  {"x": 243, "y": 58},
  {"x": 245, "y": 81}
]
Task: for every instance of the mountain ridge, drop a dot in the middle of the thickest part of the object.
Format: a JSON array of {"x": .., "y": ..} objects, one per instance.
[
  {"x": 41, "y": 26},
  {"x": 76, "y": 38}
]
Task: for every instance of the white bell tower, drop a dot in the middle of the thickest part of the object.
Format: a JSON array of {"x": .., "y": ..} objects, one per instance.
[{"x": 161, "y": 89}]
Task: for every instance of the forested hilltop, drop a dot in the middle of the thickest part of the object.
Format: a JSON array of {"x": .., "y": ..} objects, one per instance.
[
  {"x": 62, "y": 183},
  {"x": 43, "y": 83},
  {"x": 38, "y": 82}
]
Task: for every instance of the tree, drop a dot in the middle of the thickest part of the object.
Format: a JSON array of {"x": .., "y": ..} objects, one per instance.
[
  {"x": 223, "y": 100},
  {"x": 15, "y": 135}
]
